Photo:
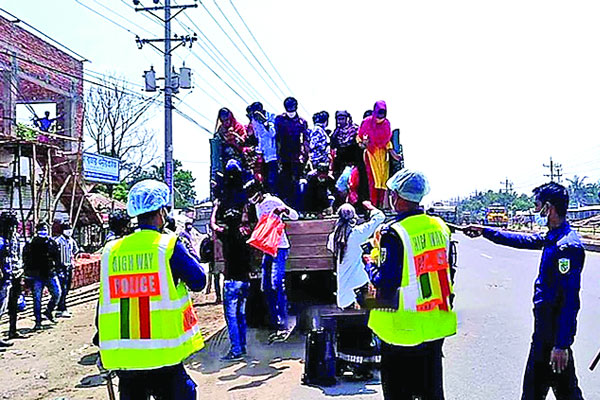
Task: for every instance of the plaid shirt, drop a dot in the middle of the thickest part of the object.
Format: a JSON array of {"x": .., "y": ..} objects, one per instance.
[{"x": 68, "y": 248}]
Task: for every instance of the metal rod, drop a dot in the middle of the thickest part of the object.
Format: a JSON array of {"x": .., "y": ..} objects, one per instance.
[{"x": 168, "y": 105}]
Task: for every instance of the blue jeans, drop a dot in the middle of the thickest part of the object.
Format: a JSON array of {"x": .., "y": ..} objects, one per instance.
[
  {"x": 234, "y": 303},
  {"x": 273, "y": 285},
  {"x": 65, "y": 277},
  {"x": 4, "y": 292},
  {"x": 270, "y": 172},
  {"x": 37, "y": 286}
]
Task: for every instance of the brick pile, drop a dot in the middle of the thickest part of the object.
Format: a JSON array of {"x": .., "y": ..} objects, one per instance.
[{"x": 86, "y": 271}]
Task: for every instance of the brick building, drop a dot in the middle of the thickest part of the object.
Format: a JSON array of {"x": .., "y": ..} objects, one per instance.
[{"x": 40, "y": 172}]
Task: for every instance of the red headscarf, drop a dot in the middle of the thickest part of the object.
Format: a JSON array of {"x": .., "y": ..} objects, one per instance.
[{"x": 378, "y": 134}]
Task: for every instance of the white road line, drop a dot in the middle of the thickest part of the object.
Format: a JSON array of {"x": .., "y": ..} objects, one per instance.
[{"x": 486, "y": 256}]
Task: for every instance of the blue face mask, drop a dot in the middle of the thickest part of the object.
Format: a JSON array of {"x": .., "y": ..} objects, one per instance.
[{"x": 539, "y": 219}]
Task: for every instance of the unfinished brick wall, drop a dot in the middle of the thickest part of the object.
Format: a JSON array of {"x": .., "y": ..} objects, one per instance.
[{"x": 44, "y": 73}]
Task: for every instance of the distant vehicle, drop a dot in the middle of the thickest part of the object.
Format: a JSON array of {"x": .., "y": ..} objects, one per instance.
[
  {"x": 445, "y": 212},
  {"x": 466, "y": 218},
  {"x": 496, "y": 215}
]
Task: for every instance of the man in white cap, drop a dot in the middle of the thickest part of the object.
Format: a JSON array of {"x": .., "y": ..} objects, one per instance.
[
  {"x": 147, "y": 322},
  {"x": 408, "y": 265}
]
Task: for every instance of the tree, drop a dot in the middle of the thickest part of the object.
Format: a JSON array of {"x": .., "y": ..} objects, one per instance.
[
  {"x": 115, "y": 126},
  {"x": 185, "y": 194},
  {"x": 577, "y": 189}
]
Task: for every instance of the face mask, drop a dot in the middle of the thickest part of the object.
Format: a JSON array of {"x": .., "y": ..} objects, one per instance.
[
  {"x": 539, "y": 219},
  {"x": 68, "y": 232},
  {"x": 291, "y": 114},
  {"x": 43, "y": 234}
]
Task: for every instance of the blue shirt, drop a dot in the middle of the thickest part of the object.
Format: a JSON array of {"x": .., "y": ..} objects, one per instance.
[
  {"x": 556, "y": 295},
  {"x": 266, "y": 135},
  {"x": 290, "y": 132},
  {"x": 387, "y": 276},
  {"x": 184, "y": 266}
]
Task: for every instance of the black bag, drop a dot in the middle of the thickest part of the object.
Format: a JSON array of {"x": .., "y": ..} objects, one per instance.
[
  {"x": 319, "y": 366},
  {"x": 207, "y": 250}
]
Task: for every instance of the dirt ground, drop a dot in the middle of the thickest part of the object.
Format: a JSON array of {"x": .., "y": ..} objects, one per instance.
[{"x": 60, "y": 361}]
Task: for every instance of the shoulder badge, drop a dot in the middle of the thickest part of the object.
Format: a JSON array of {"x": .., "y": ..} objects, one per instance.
[{"x": 564, "y": 265}]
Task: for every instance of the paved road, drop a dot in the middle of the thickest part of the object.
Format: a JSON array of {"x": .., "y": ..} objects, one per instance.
[{"x": 485, "y": 360}]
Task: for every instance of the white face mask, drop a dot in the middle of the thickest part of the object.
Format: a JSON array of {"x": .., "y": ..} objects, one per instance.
[
  {"x": 539, "y": 219},
  {"x": 291, "y": 114},
  {"x": 68, "y": 232}
]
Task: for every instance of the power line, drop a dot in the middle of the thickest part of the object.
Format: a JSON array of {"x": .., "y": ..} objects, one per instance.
[
  {"x": 19, "y": 20},
  {"x": 238, "y": 49},
  {"x": 248, "y": 48},
  {"x": 222, "y": 64},
  {"x": 124, "y": 91},
  {"x": 263, "y": 51}
]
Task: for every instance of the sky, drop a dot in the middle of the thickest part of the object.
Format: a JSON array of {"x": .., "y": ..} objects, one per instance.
[{"x": 481, "y": 91}]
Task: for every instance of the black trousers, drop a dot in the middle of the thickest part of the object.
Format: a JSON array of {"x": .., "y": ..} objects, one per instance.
[
  {"x": 13, "y": 304},
  {"x": 407, "y": 372},
  {"x": 168, "y": 383},
  {"x": 539, "y": 377}
]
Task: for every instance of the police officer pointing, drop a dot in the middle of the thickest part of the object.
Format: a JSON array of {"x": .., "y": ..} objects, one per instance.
[
  {"x": 147, "y": 322},
  {"x": 556, "y": 294},
  {"x": 409, "y": 267}
]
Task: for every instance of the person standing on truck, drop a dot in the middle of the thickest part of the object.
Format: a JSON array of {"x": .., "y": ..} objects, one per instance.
[
  {"x": 147, "y": 322},
  {"x": 556, "y": 298},
  {"x": 408, "y": 264},
  {"x": 263, "y": 125},
  {"x": 291, "y": 131},
  {"x": 375, "y": 135},
  {"x": 273, "y": 268}
]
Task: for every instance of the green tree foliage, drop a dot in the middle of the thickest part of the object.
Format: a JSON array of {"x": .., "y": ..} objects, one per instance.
[
  {"x": 480, "y": 201},
  {"x": 582, "y": 193}
]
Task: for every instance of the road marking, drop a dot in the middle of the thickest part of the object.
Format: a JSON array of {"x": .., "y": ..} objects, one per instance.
[{"x": 486, "y": 256}]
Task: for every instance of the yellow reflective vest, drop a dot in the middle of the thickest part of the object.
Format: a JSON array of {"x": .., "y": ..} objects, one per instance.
[
  {"x": 145, "y": 321},
  {"x": 424, "y": 312}
]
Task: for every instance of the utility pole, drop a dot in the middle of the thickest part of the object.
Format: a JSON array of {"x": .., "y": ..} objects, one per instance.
[
  {"x": 172, "y": 79},
  {"x": 508, "y": 186},
  {"x": 555, "y": 171}
]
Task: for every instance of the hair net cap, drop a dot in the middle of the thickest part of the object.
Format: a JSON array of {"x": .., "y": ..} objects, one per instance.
[
  {"x": 410, "y": 185},
  {"x": 147, "y": 196}
]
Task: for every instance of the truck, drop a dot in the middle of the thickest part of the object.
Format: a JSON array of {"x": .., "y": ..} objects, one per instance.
[
  {"x": 496, "y": 215},
  {"x": 445, "y": 212}
]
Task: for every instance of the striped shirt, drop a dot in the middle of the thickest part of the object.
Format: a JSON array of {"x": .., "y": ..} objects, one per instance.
[{"x": 68, "y": 248}]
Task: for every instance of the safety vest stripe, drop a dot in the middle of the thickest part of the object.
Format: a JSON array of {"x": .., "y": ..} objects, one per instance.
[
  {"x": 154, "y": 306},
  {"x": 104, "y": 266},
  {"x": 150, "y": 343},
  {"x": 144, "y": 317},
  {"x": 134, "y": 318},
  {"x": 163, "y": 244},
  {"x": 410, "y": 293},
  {"x": 125, "y": 318},
  {"x": 443, "y": 279}
]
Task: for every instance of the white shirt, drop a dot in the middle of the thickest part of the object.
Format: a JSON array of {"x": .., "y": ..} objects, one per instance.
[
  {"x": 350, "y": 272},
  {"x": 270, "y": 203}
]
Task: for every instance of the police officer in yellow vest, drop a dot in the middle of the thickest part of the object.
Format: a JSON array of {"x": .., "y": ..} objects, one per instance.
[
  {"x": 147, "y": 322},
  {"x": 408, "y": 265}
]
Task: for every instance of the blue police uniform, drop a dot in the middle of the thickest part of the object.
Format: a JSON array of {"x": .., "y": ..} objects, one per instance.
[{"x": 555, "y": 307}]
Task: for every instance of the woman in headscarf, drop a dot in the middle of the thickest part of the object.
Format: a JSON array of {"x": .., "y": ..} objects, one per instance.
[
  {"x": 375, "y": 135},
  {"x": 354, "y": 341},
  {"x": 347, "y": 152},
  {"x": 228, "y": 140},
  {"x": 344, "y": 242}
]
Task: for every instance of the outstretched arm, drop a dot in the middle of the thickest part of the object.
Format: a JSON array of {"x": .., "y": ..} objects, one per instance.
[{"x": 511, "y": 239}]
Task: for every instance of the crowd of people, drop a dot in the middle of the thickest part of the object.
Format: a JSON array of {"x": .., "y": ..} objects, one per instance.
[
  {"x": 42, "y": 262},
  {"x": 312, "y": 169}
]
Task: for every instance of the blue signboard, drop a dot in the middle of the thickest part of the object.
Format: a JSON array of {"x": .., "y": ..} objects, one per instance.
[{"x": 98, "y": 168}]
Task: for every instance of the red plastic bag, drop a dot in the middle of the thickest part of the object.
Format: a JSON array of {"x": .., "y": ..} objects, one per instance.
[{"x": 267, "y": 234}]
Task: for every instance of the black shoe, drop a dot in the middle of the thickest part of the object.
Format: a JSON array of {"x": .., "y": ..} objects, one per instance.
[
  {"x": 232, "y": 357},
  {"x": 16, "y": 335},
  {"x": 5, "y": 344},
  {"x": 50, "y": 317}
]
